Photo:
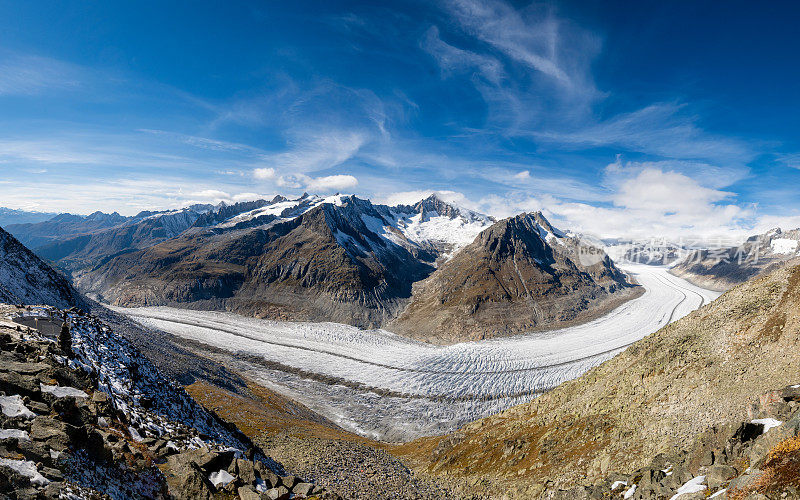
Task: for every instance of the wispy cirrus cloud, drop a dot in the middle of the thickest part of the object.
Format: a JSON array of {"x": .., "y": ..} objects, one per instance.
[
  {"x": 453, "y": 59},
  {"x": 31, "y": 74},
  {"x": 662, "y": 129}
]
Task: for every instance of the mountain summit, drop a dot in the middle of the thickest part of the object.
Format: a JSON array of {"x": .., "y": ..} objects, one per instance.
[{"x": 518, "y": 275}]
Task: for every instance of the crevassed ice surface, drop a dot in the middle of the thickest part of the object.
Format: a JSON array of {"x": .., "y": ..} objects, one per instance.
[{"x": 389, "y": 387}]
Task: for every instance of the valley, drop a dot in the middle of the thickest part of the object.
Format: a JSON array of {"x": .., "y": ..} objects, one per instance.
[{"x": 387, "y": 387}]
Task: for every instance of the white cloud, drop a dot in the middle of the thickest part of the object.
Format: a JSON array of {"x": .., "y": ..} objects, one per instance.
[
  {"x": 264, "y": 173},
  {"x": 662, "y": 129},
  {"x": 317, "y": 152},
  {"x": 645, "y": 200},
  {"x": 331, "y": 183},
  {"x": 212, "y": 194},
  {"x": 452, "y": 59},
  {"x": 523, "y": 176},
  {"x": 533, "y": 37}
]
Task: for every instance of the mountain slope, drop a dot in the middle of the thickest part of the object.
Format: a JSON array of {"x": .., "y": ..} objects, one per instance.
[
  {"x": 78, "y": 252},
  {"x": 339, "y": 261},
  {"x": 346, "y": 260},
  {"x": 26, "y": 279},
  {"x": 723, "y": 268},
  {"x": 659, "y": 394},
  {"x": 519, "y": 274}
]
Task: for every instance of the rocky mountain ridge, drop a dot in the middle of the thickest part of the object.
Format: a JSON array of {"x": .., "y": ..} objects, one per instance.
[
  {"x": 348, "y": 260},
  {"x": 519, "y": 274},
  {"x": 88, "y": 416},
  {"x": 25, "y": 278},
  {"x": 725, "y": 267}
]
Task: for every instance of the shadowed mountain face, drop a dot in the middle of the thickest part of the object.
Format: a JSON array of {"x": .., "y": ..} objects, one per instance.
[
  {"x": 26, "y": 279},
  {"x": 519, "y": 274}
]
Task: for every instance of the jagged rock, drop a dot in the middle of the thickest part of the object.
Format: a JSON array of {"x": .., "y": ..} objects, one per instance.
[
  {"x": 302, "y": 488},
  {"x": 248, "y": 493},
  {"x": 718, "y": 475},
  {"x": 279, "y": 493},
  {"x": 14, "y": 383},
  {"x": 289, "y": 481},
  {"x": 245, "y": 470},
  {"x": 188, "y": 482},
  {"x": 51, "y": 431}
]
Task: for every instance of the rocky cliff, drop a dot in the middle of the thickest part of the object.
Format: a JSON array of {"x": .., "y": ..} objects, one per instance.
[
  {"x": 26, "y": 279},
  {"x": 518, "y": 275}
]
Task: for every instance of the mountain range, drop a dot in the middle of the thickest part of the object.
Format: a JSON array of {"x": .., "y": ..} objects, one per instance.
[
  {"x": 704, "y": 405},
  {"x": 342, "y": 259},
  {"x": 725, "y": 267}
]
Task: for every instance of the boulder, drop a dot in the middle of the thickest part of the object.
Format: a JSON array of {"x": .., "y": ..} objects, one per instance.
[
  {"x": 248, "y": 493},
  {"x": 303, "y": 489},
  {"x": 279, "y": 493},
  {"x": 245, "y": 470},
  {"x": 51, "y": 431},
  {"x": 718, "y": 475},
  {"x": 187, "y": 482}
]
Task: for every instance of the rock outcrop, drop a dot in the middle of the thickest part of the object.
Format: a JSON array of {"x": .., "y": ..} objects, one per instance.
[
  {"x": 518, "y": 275},
  {"x": 78, "y": 425}
]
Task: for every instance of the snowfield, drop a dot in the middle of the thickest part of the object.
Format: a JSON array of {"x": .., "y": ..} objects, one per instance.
[{"x": 384, "y": 386}]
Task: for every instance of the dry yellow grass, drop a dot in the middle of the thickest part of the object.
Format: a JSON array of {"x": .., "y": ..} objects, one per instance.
[{"x": 266, "y": 413}]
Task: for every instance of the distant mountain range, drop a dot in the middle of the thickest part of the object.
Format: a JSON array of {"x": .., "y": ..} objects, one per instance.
[
  {"x": 723, "y": 268},
  {"x": 14, "y": 216},
  {"x": 412, "y": 268}
]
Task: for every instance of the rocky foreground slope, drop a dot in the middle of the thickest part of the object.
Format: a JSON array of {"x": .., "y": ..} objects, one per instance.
[
  {"x": 87, "y": 416},
  {"x": 657, "y": 397}
]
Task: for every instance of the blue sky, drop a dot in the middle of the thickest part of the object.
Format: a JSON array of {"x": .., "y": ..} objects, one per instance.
[{"x": 619, "y": 118}]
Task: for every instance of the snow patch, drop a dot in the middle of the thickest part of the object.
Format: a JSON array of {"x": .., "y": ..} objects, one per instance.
[
  {"x": 768, "y": 423},
  {"x": 221, "y": 478},
  {"x": 630, "y": 492},
  {"x": 617, "y": 484},
  {"x": 784, "y": 246},
  {"x": 63, "y": 392},
  {"x": 26, "y": 468},
  {"x": 691, "y": 486},
  {"x": 14, "y": 433},
  {"x": 720, "y": 492},
  {"x": 14, "y": 407}
]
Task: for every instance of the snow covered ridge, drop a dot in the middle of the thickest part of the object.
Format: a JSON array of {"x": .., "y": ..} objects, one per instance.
[
  {"x": 429, "y": 222},
  {"x": 25, "y": 278},
  {"x": 133, "y": 383}
]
